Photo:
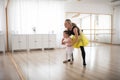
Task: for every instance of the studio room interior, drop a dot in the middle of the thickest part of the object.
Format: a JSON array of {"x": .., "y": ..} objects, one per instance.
[{"x": 45, "y": 39}]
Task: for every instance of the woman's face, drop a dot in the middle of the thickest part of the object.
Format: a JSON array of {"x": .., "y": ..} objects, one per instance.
[{"x": 67, "y": 25}]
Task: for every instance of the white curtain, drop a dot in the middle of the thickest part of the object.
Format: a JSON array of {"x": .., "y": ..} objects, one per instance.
[
  {"x": 2, "y": 17},
  {"x": 2, "y": 26},
  {"x": 46, "y": 16}
]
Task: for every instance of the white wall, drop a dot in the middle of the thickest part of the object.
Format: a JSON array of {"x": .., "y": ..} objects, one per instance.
[
  {"x": 88, "y": 7},
  {"x": 116, "y": 26}
]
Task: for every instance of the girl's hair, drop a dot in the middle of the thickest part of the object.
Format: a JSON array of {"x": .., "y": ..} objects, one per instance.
[{"x": 67, "y": 32}]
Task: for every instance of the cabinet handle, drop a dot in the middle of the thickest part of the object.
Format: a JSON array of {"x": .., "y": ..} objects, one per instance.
[
  {"x": 35, "y": 41},
  {"x": 19, "y": 41}
]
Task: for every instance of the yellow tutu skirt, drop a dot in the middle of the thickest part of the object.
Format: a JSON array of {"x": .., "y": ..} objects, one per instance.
[{"x": 82, "y": 41}]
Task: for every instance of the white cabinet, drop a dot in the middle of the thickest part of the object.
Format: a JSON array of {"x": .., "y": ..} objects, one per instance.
[
  {"x": 33, "y": 41},
  {"x": 19, "y": 42},
  {"x": 2, "y": 43},
  {"x": 41, "y": 41}
]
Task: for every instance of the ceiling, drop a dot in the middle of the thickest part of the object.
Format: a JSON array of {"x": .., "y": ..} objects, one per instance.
[
  {"x": 109, "y": 2},
  {"x": 106, "y": 1}
]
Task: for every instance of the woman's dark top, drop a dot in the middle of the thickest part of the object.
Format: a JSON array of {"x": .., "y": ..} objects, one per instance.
[{"x": 72, "y": 32}]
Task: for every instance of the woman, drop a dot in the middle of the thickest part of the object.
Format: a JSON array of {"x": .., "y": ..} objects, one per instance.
[{"x": 74, "y": 30}]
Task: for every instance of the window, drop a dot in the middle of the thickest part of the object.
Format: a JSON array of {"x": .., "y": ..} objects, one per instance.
[{"x": 96, "y": 27}]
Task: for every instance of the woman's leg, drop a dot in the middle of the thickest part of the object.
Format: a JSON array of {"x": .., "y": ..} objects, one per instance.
[
  {"x": 72, "y": 57},
  {"x": 83, "y": 54}
]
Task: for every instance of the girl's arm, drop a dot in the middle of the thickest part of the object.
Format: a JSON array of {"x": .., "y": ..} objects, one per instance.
[{"x": 62, "y": 41}]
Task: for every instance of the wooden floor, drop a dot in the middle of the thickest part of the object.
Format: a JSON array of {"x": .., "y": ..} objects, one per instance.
[
  {"x": 103, "y": 63},
  {"x": 7, "y": 69}
]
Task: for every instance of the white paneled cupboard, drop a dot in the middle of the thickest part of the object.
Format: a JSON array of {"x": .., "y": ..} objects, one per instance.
[
  {"x": 42, "y": 41},
  {"x": 33, "y": 41}
]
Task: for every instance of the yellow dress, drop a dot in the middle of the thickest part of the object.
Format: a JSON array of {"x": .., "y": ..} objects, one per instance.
[{"x": 82, "y": 40}]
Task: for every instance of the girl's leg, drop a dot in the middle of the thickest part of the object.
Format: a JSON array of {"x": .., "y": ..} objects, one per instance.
[
  {"x": 83, "y": 54},
  {"x": 70, "y": 54},
  {"x": 66, "y": 60}
]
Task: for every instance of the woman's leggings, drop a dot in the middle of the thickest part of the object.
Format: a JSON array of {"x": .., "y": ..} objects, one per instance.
[{"x": 83, "y": 52}]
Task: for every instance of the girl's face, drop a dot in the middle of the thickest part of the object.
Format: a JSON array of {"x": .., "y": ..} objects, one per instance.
[{"x": 65, "y": 35}]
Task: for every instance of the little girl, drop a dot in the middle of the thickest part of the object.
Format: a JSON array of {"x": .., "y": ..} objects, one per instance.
[{"x": 67, "y": 41}]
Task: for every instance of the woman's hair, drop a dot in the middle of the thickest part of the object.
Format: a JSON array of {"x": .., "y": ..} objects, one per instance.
[
  {"x": 73, "y": 24},
  {"x": 68, "y": 20},
  {"x": 67, "y": 32}
]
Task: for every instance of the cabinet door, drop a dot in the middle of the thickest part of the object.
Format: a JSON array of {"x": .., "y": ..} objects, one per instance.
[
  {"x": 45, "y": 40},
  {"x": 52, "y": 44},
  {"x": 15, "y": 42},
  {"x": 38, "y": 41},
  {"x": 19, "y": 42},
  {"x": 23, "y": 42},
  {"x": 52, "y": 41},
  {"x": 52, "y": 36},
  {"x": 35, "y": 41},
  {"x": 31, "y": 42}
]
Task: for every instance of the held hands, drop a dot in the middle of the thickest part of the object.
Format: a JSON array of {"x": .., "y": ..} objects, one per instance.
[{"x": 63, "y": 43}]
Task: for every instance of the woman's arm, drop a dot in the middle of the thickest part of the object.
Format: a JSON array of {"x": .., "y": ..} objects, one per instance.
[{"x": 75, "y": 30}]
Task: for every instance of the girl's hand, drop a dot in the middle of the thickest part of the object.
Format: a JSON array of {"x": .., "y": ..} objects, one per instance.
[{"x": 62, "y": 41}]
